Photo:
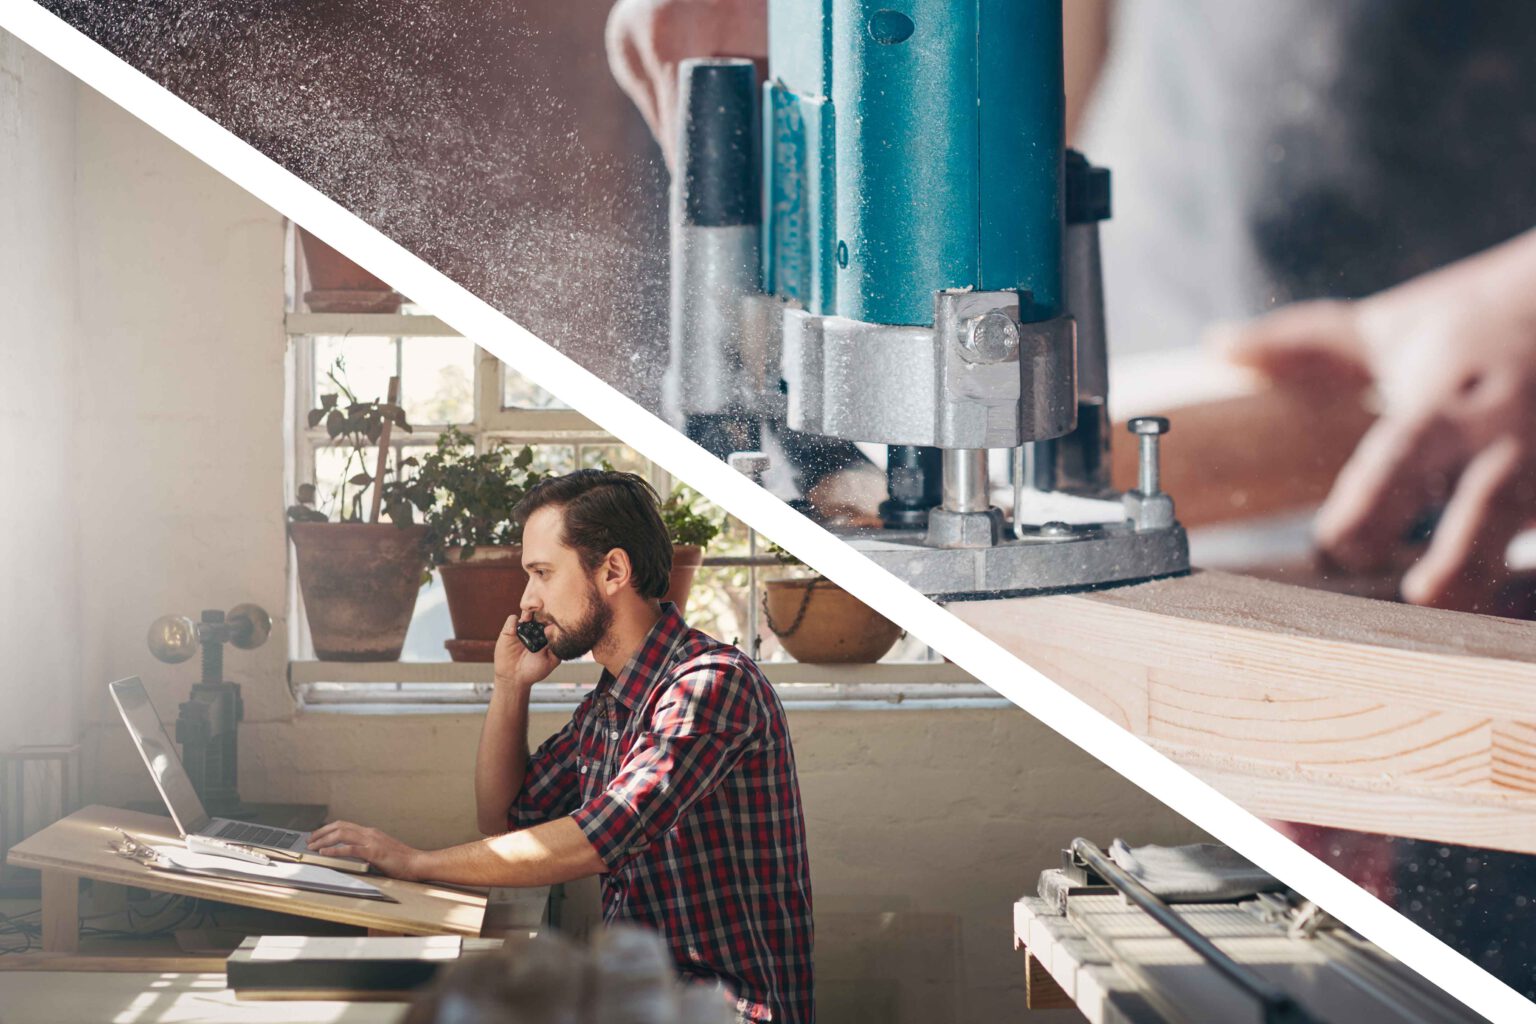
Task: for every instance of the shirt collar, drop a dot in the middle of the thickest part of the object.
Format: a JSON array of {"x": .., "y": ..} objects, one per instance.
[{"x": 639, "y": 673}]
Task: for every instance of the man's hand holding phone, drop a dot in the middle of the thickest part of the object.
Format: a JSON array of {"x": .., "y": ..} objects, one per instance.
[{"x": 518, "y": 664}]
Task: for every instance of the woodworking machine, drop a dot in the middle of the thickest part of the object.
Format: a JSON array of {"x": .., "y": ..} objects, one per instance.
[
  {"x": 1101, "y": 939},
  {"x": 888, "y": 242}
]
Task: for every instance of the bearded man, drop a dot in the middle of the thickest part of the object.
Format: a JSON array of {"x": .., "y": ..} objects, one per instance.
[{"x": 674, "y": 780}]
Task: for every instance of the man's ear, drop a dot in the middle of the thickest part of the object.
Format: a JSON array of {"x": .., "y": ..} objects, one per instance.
[{"x": 616, "y": 572}]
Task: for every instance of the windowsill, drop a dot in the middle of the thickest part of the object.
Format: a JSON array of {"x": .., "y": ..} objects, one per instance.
[{"x": 462, "y": 687}]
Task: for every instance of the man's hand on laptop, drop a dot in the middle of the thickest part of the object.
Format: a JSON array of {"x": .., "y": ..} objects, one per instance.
[
  {"x": 516, "y": 665},
  {"x": 384, "y": 852}
]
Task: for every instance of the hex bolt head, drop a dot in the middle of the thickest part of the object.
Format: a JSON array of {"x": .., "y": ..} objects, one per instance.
[
  {"x": 1148, "y": 425},
  {"x": 992, "y": 338}
]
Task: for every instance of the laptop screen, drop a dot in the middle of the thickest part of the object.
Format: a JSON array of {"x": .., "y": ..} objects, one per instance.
[{"x": 159, "y": 754}]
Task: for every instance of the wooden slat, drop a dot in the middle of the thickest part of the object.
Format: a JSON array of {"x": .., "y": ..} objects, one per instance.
[
  {"x": 585, "y": 674},
  {"x": 1040, "y": 989},
  {"x": 45, "y": 997},
  {"x": 61, "y": 909},
  {"x": 1402, "y": 720},
  {"x": 76, "y": 962}
]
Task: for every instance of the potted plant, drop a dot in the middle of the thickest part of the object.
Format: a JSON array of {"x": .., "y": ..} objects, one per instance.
[
  {"x": 466, "y": 500},
  {"x": 820, "y": 623},
  {"x": 359, "y": 576},
  {"x": 338, "y": 285},
  {"x": 691, "y": 532}
]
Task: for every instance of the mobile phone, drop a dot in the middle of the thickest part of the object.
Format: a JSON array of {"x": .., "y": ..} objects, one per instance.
[{"x": 531, "y": 633}]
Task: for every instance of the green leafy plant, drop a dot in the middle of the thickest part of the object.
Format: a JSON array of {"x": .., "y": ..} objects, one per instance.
[
  {"x": 784, "y": 557},
  {"x": 353, "y": 426},
  {"x": 686, "y": 524},
  {"x": 466, "y": 499}
]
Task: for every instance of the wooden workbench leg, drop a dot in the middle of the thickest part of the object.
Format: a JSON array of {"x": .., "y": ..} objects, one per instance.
[
  {"x": 1041, "y": 992},
  {"x": 61, "y": 912}
]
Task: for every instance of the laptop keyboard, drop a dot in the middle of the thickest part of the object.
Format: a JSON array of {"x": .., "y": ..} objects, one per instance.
[{"x": 256, "y": 835}]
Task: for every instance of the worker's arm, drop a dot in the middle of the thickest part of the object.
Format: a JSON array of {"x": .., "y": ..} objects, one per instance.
[
  {"x": 648, "y": 39},
  {"x": 708, "y": 719},
  {"x": 1085, "y": 44},
  {"x": 1452, "y": 357},
  {"x": 501, "y": 762},
  {"x": 556, "y": 851}
]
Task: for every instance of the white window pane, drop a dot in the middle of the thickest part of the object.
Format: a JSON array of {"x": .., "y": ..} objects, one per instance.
[
  {"x": 619, "y": 456},
  {"x": 550, "y": 458},
  {"x": 335, "y": 466},
  {"x": 367, "y": 365},
  {"x": 430, "y": 625},
  {"x": 335, "y": 495},
  {"x": 437, "y": 380},
  {"x": 518, "y": 392}
]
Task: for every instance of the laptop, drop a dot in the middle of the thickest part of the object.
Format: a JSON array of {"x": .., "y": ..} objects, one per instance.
[{"x": 175, "y": 787}]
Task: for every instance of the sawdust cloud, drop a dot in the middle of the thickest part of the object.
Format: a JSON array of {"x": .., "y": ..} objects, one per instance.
[{"x": 487, "y": 139}]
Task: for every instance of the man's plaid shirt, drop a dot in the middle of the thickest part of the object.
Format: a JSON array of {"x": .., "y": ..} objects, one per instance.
[{"x": 681, "y": 774}]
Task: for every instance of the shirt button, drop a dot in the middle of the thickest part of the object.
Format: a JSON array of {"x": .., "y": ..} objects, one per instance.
[
  {"x": 583, "y": 769},
  {"x": 614, "y": 735}
]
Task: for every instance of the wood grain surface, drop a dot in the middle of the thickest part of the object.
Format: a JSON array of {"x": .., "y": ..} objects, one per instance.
[{"x": 1305, "y": 705}]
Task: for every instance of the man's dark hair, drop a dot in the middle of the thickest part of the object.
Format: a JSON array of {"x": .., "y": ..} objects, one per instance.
[{"x": 604, "y": 509}]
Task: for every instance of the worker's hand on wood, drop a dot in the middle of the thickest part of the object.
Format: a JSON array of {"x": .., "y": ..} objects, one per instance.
[
  {"x": 648, "y": 39},
  {"x": 849, "y": 497},
  {"x": 1452, "y": 357},
  {"x": 384, "y": 852},
  {"x": 515, "y": 665}
]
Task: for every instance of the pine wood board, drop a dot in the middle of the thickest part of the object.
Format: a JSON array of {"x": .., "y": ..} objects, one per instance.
[
  {"x": 48, "y": 997},
  {"x": 1305, "y": 705}
]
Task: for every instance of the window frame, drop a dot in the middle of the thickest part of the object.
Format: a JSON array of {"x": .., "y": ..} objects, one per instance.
[{"x": 414, "y": 687}]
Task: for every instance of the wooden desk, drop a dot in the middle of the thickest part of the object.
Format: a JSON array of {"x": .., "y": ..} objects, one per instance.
[
  {"x": 43, "y": 997},
  {"x": 76, "y": 848}
]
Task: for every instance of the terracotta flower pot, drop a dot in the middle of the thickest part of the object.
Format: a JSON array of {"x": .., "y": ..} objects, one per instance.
[
  {"x": 359, "y": 582},
  {"x": 820, "y": 623},
  {"x": 481, "y": 593},
  {"x": 337, "y": 285},
  {"x": 686, "y": 559}
]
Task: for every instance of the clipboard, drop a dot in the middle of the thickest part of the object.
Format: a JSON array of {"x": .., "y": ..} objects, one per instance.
[{"x": 287, "y": 874}]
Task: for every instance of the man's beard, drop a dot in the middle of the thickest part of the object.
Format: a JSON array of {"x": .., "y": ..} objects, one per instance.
[{"x": 582, "y": 635}]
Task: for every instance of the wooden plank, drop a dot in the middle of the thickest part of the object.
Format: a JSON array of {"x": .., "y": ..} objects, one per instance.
[
  {"x": 46, "y": 997},
  {"x": 1040, "y": 989},
  {"x": 76, "y": 847},
  {"x": 61, "y": 910},
  {"x": 383, "y": 325},
  {"x": 77, "y": 962},
  {"x": 1389, "y": 718}
]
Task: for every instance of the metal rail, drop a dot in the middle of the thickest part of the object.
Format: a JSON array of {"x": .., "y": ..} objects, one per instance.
[{"x": 1278, "y": 1007}]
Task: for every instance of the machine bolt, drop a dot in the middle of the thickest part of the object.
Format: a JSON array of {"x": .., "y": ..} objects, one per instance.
[
  {"x": 1055, "y": 528},
  {"x": 992, "y": 338},
  {"x": 751, "y": 465},
  {"x": 1148, "y": 429}
]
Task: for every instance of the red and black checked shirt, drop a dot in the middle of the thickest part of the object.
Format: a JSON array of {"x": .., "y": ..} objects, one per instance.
[{"x": 681, "y": 774}]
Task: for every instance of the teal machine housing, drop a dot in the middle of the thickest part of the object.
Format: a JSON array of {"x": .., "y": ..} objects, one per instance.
[
  {"x": 910, "y": 149},
  {"x": 918, "y": 268}
]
